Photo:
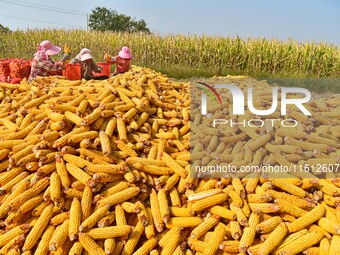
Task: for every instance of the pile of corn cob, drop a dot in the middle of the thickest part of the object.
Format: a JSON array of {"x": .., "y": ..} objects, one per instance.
[
  {"x": 310, "y": 199},
  {"x": 90, "y": 167},
  {"x": 263, "y": 140}
]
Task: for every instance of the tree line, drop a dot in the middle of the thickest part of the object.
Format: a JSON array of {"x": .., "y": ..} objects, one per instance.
[{"x": 103, "y": 19}]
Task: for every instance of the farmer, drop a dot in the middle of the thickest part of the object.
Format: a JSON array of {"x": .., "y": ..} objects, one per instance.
[
  {"x": 42, "y": 64},
  {"x": 122, "y": 61},
  {"x": 88, "y": 65}
]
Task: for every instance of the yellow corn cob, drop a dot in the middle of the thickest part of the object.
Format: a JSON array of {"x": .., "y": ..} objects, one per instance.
[
  {"x": 109, "y": 232},
  {"x": 146, "y": 247},
  {"x": 122, "y": 132},
  {"x": 170, "y": 246},
  {"x": 289, "y": 208},
  {"x": 60, "y": 218},
  {"x": 89, "y": 119},
  {"x": 82, "y": 107},
  {"x": 240, "y": 216},
  {"x": 133, "y": 239},
  {"x": 12, "y": 233},
  {"x": 204, "y": 227},
  {"x": 90, "y": 245},
  {"x": 73, "y": 118},
  {"x": 80, "y": 175},
  {"x": 156, "y": 213},
  {"x": 105, "y": 143},
  {"x": 31, "y": 192},
  {"x": 307, "y": 219},
  {"x": 107, "y": 220},
  {"x": 89, "y": 222},
  {"x": 150, "y": 228},
  {"x": 75, "y": 219},
  {"x": 249, "y": 233},
  {"x": 175, "y": 198},
  {"x": 38, "y": 228},
  {"x": 301, "y": 243},
  {"x": 119, "y": 197},
  {"x": 329, "y": 225},
  {"x": 273, "y": 239},
  {"x": 291, "y": 198},
  {"x": 171, "y": 163},
  {"x": 288, "y": 186},
  {"x": 79, "y": 137},
  {"x": 62, "y": 172},
  {"x": 163, "y": 205},
  {"x": 55, "y": 186},
  {"x": 59, "y": 237},
  {"x": 17, "y": 241},
  {"x": 76, "y": 249},
  {"x": 208, "y": 202},
  {"x": 324, "y": 246},
  {"x": 222, "y": 212},
  {"x": 126, "y": 149},
  {"x": 9, "y": 185}
]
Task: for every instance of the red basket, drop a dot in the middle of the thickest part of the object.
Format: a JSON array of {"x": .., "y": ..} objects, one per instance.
[
  {"x": 105, "y": 71},
  {"x": 73, "y": 71}
]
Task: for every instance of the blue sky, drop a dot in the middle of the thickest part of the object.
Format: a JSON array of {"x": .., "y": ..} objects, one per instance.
[{"x": 302, "y": 20}]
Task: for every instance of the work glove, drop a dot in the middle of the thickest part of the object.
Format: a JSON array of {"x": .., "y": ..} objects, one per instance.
[
  {"x": 107, "y": 57},
  {"x": 67, "y": 49},
  {"x": 66, "y": 55}
]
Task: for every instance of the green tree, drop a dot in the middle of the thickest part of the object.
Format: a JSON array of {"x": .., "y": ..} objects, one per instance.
[{"x": 104, "y": 19}]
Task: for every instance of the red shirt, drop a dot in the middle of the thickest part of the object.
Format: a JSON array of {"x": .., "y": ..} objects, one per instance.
[{"x": 122, "y": 64}]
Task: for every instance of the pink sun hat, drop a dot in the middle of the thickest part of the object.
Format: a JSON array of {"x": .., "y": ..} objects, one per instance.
[
  {"x": 50, "y": 49},
  {"x": 125, "y": 53}
]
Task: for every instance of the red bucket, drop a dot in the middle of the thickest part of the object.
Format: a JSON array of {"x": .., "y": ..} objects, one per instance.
[
  {"x": 105, "y": 71},
  {"x": 73, "y": 72}
]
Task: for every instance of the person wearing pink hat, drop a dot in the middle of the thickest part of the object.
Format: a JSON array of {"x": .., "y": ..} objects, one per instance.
[
  {"x": 122, "y": 60},
  {"x": 42, "y": 64},
  {"x": 88, "y": 66}
]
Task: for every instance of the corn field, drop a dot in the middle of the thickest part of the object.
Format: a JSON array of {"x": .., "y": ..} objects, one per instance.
[{"x": 198, "y": 55}]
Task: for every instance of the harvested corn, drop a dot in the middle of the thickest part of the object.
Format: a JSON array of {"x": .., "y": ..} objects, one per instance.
[{"x": 88, "y": 176}]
